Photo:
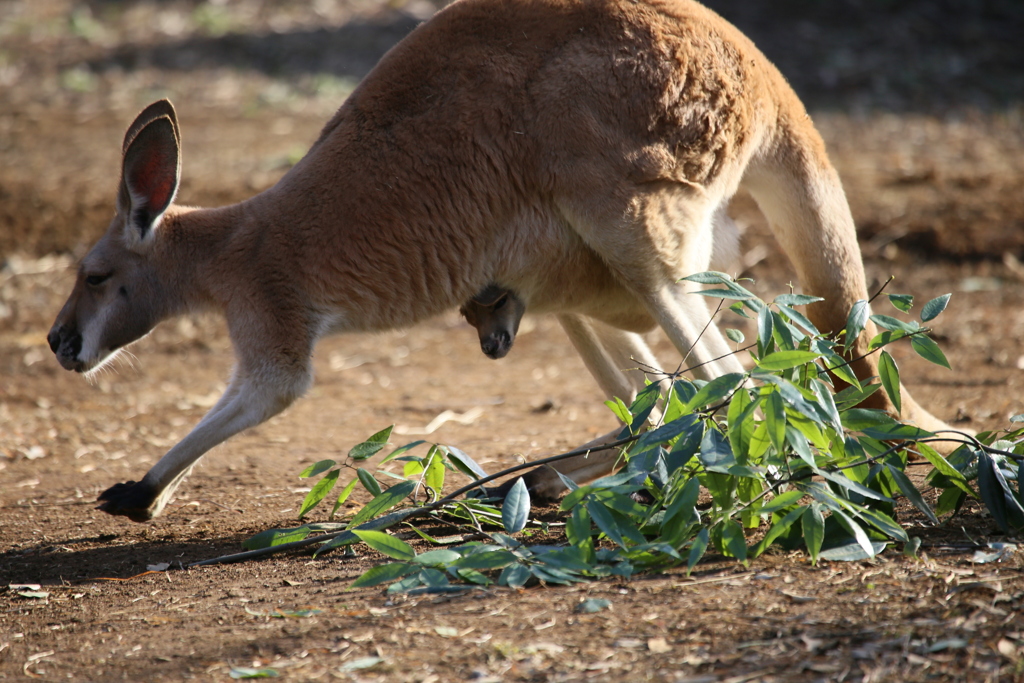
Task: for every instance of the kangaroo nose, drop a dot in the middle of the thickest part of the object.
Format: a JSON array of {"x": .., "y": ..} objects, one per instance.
[{"x": 53, "y": 339}]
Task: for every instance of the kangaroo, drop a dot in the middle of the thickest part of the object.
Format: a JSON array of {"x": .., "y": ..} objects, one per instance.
[
  {"x": 573, "y": 150},
  {"x": 495, "y": 313}
]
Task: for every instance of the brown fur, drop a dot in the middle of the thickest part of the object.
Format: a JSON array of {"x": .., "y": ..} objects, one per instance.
[{"x": 573, "y": 151}]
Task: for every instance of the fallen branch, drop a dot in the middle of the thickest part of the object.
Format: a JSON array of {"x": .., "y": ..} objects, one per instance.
[{"x": 394, "y": 518}]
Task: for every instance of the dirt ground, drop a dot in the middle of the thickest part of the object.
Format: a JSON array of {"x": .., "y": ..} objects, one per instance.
[{"x": 919, "y": 103}]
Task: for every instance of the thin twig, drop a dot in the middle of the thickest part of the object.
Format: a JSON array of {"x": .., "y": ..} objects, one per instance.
[{"x": 882, "y": 288}]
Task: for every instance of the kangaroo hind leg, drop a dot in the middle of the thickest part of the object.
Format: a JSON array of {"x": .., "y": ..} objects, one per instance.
[
  {"x": 652, "y": 237},
  {"x": 799, "y": 192}
]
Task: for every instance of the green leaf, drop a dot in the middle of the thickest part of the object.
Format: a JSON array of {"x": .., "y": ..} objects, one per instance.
[
  {"x": 786, "y": 336},
  {"x": 697, "y": 549},
  {"x": 492, "y": 559},
  {"x": 852, "y": 396},
  {"x": 368, "y": 482},
  {"x": 666, "y": 432},
  {"x": 723, "y": 294},
  {"x": 384, "y": 522},
  {"x": 850, "y": 485},
  {"x": 371, "y": 446},
  {"x": 401, "y": 450},
  {"x": 715, "y": 390},
  {"x": 857, "y": 530},
  {"x": 272, "y": 537},
  {"x": 884, "y": 523},
  {"x": 949, "y": 501},
  {"x": 607, "y": 522},
  {"x": 734, "y": 335},
  {"x": 887, "y": 322},
  {"x": 734, "y": 544},
  {"x": 855, "y": 322},
  {"x": 781, "y": 501},
  {"x": 903, "y": 302},
  {"x": 934, "y": 307},
  {"x": 317, "y": 467},
  {"x": 318, "y": 492},
  {"x": 577, "y": 530},
  {"x": 434, "y": 477},
  {"x": 568, "y": 559},
  {"x": 911, "y": 492},
  {"x": 823, "y": 400},
  {"x": 945, "y": 469},
  {"x": 802, "y": 400},
  {"x": 642, "y": 406},
  {"x": 618, "y": 501},
  {"x": 514, "y": 576},
  {"x": 851, "y": 552},
  {"x": 995, "y": 492},
  {"x": 383, "y": 502},
  {"x": 732, "y": 289},
  {"x": 887, "y": 337},
  {"x": 741, "y": 423},
  {"x": 343, "y": 496},
  {"x": 811, "y": 431},
  {"x": 620, "y": 409},
  {"x": 775, "y": 419},
  {"x": 835, "y": 363},
  {"x": 386, "y": 543},
  {"x": 814, "y": 530},
  {"x": 552, "y": 574},
  {"x": 890, "y": 376},
  {"x": 784, "y": 360},
  {"x": 681, "y": 511},
  {"x": 472, "y": 576},
  {"x": 440, "y": 557},
  {"x": 796, "y": 299},
  {"x": 715, "y": 453},
  {"x": 857, "y": 419},
  {"x": 384, "y": 573},
  {"x": 911, "y": 548},
  {"x": 569, "y": 484},
  {"x": 515, "y": 511},
  {"x": 929, "y": 350},
  {"x": 777, "y": 529},
  {"x": 799, "y": 318},
  {"x": 896, "y": 431},
  {"x": 765, "y": 330},
  {"x": 708, "y": 277},
  {"x": 465, "y": 464}
]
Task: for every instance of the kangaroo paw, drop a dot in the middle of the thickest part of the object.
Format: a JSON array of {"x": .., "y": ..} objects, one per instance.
[{"x": 131, "y": 499}]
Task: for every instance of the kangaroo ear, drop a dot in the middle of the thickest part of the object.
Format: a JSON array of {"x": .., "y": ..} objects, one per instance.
[
  {"x": 150, "y": 172},
  {"x": 148, "y": 115}
]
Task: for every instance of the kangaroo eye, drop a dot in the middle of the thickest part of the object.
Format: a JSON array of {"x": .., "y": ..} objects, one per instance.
[
  {"x": 94, "y": 280},
  {"x": 500, "y": 302}
]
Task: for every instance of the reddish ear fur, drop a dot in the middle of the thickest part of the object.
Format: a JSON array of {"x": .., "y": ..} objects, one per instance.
[{"x": 150, "y": 175}]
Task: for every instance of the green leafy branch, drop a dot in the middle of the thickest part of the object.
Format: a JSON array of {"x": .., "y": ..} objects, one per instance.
[{"x": 774, "y": 456}]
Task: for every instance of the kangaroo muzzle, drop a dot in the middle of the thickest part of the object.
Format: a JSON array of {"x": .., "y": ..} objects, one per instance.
[{"x": 66, "y": 344}]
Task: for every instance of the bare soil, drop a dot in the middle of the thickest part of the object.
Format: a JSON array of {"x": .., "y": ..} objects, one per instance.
[{"x": 919, "y": 104}]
